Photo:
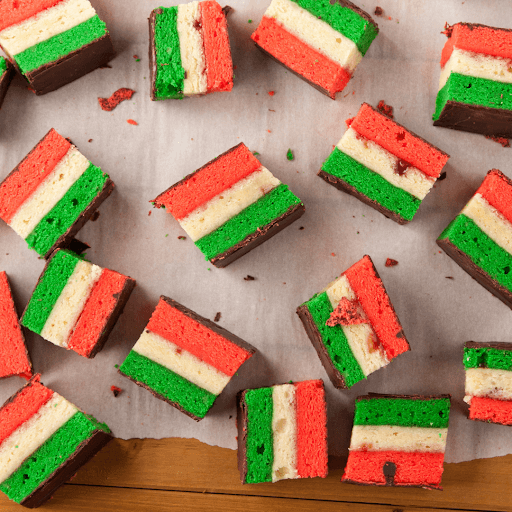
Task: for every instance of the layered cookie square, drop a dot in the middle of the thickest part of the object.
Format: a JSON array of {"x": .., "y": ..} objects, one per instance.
[
  {"x": 475, "y": 86},
  {"x": 185, "y": 359},
  {"x": 76, "y": 304},
  {"x": 52, "y": 193},
  {"x": 231, "y": 205},
  {"x": 398, "y": 440},
  {"x": 353, "y": 325},
  {"x": 282, "y": 432},
  {"x": 479, "y": 239},
  {"x": 321, "y": 41},
  {"x": 44, "y": 441},
  {"x": 189, "y": 51},
  {"x": 14, "y": 358},
  {"x": 489, "y": 381},
  {"x": 53, "y": 42},
  {"x": 6, "y": 75},
  {"x": 384, "y": 165}
]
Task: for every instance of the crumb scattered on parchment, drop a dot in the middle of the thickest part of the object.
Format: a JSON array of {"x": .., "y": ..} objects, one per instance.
[
  {"x": 217, "y": 316},
  {"x": 271, "y": 93},
  {"x": 90, "y": 140},
  {"x": 379, "y": 11},
  {"x": 94, "y": 216},
  {"x": 500, "y": 140},
  {"x": 116, "y": 391},
  {"x": 249, "y": 278},
  {"x": 301, "y": 228},
  {"x": 385, "y": 109},
  {"x": 442, "y": 177},
  {"x": 131, "y": 121},
  {"x": 390, "y": 262},
  {"x": 109, "y": 104},
  {"x": 449, "y": 277},
  {"x": 181, "y": 237}
]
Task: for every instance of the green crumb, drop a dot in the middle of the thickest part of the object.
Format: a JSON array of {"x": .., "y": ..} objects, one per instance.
[
  {"x": 116, "y": 366},
  {"x": 249, "y": 21},
  {"x": 167, "y": 235},
  {"x": 255, "y": 153},
  {"x": 289, "y": 155},
  {"x": 137, "y": 60}
]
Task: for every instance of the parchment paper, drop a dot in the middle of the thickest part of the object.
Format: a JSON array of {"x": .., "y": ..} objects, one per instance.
[{"x": 173, "y": 138}]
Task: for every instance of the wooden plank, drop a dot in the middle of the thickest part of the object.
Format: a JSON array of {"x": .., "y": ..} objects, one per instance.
[
  {"x": 188, "y": 465},
  {"x": 79, "y": 498}
]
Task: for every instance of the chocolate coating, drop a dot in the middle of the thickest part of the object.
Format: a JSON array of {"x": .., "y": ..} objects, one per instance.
[
  {"x": 241, "y": 425},
  {"x": 492, "y": 344},
  {"x": 5, "y": 80},
  {"x": 152, "y": 52},
  {"x": 357, "y": 10}
]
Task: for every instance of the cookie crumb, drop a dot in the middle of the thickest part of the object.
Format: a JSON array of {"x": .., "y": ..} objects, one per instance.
[
  {"x": 385, "y": 109},
  {"x": 390, "y": 262},
  {"x": 301, "y": 228},
  {"x": 131, "y": 121},
  {"x": 249, "y": 278},
  {"x": 379, "y": 11},
  {"x": 109, "y": 104},
  {"x": 500, "y": 140},
  {"x": 217, "y": 316},
  {"x": 271, "y": 93},
  {"x": 94, "y": 216},
  {"x": 116, "y": 391},
  {"x": 181, "y": 237},
  {"x": 449, "y": 277},
  {"x": 289, "y": 155},
  {"x": 90, "y": 140},
  {"x": 442, "y": 177}
]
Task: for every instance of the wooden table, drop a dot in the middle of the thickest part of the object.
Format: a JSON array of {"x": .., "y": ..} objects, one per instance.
[{"x": 184, "y": 474}]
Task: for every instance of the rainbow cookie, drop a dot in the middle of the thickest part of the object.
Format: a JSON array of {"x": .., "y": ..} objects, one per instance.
[
  {"x": 479, "y": 239},
  {"x": 52, "y": 193},
  {"x": 184, "y": 359},
  {"x": 53, "y": 42},
  {"x": 189, "y": 51},
  {"x": 489, "y": 381},
  {"x": 475, "y": 87},
  {"x": 76, "y": 304},
  {"x": 384, "y": 165},
  {"x": 231, "y": 205},
  {"x": 44, "y": 441},
  {"x": 321, "y": 41},
  {"x": 14, "y": 358},
  {"x": 282, "y": 432},
  {"x": 353, "y": 325},
  {"x": 6, "y": 75},
  {"x": 398, "y": 440}
]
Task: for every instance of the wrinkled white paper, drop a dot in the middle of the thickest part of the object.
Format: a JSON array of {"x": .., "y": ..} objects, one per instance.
[{"x": 173, "y": 138}]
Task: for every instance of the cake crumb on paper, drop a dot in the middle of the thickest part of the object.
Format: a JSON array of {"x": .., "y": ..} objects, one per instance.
[
  {"x": 390, "y": 262},
  {"x": 500, "y": 140},
  {"x": 109, "y": 104},
  {"x": 217, "y": 316},
  {"x": 385, "y": 109},
  {"x": 116, "y": 391},
  {"x": 249, "y": 278},
  {"x": 131, "y": 121}
]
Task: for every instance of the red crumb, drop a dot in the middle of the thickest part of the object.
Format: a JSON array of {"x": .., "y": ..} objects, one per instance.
[
  {"x": 353, "y": 92},
  {"x": 31, "y": 89},
  {"x": 379, "y": 11},
  {"x": 333, "y": 254},
  {"x": 349, "y": 121},
  {"x": 109, "y": 104},
  {"x": 390, "y": 18},
  {"x": 131, "y": 121},
  {"x": 346, "y": 313},
  {"x": 385, "y": 109},
  {"x": 500, "y": 140},
  {"x": 117, "y": 391},
  {"x": 271, "y": 93},
  {"x": 390, "y": 262},
  {"x": 448, "y": 29},
  {"x": 90, "y": 140},
  {"x": 149, "y": 213},
  {"x": 135, "y": 56},
  {"x": 269, "y": 131}
]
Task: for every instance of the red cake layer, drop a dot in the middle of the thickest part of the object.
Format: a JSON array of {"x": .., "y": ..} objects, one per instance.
[
  {"x": 13, "y": 354},
  {"x": 496, "y": 189},
  {"x": 376, "y": 304},
  {"x": 412, "y": 468},
  {"x": 397, "y": 140},
  {"x": 183, "y": 331},
  {"x": 488, "y": 409},
  {"x": 300, "y": 57},
  {"x": 311, "y": 429},
  {"x": 96, "y": 312},
  {"x": 25, "y": 404},
  {"x": 15, "y": 11},
  {"x": 30, "y": 173},
  {"x": 208, "y": 181},
  {"x": 219, "y": 66},
  {"x": 478, "y": 39}
]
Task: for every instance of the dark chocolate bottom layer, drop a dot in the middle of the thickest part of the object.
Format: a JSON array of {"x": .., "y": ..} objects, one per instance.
[
  {"x": 349, "y": 189},
  {"x": 390, "y": 483},
  {"x": 257, "y": 238},
  {"x": 5, "y": 81},
  {"x": 464, "y": 261},
  {"x": 316, "y": 340},
  {"x": 86, "y": 451},
  {"x": 76, "y": 64},
  {"x": 476, "y": 119},
  {"x": 241, "y": 425}
]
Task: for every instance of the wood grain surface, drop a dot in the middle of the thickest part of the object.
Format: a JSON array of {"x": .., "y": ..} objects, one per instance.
[{"x": 184, "y": 474}]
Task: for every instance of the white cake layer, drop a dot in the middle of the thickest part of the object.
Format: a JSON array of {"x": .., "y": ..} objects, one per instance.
[
  {"x": 284, "y": 432},
  {"x": 180, "y": 361},
  {"x": 490, "y": 221},
  {"x": 478, "y": 65},
  {"x": 49, "y": 192},
  {"x": 44, "y": 25},
  {"x": 191, "y": 48},
  {"x": 70, "y": 304},
  {"x": 315, "y": 33},
  {"x": 382, "y": 162},
  {"x": 361, "y": 337},
  {"x": 402, "y": 439},
  {"x": 489, "y": 382},
  {"x": 29, "y": 436},
  {"x": 230, "y": 202}
]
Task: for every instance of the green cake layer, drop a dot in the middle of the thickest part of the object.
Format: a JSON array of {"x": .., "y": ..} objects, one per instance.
[
  {"x": 259, "y": 444},
  {"x": 371, "y": 184},
  {"x": 474, "y": 91},
  {"x": 168, "y": 384},
  {"x": 50, "y": 456},
  {"x": 488, "y": 357},
  {"x": 60, "y": 45},
  {"x": 3, "y": 66},
  {"x": 343, "y": 20},
  {"x": 169, "y": 71},
  {"x": 403, "y": 412},
  {"x": 248, "y": 221},
  {"x": 481, "y": 249},
  {"x": 66, "y": 212},
  {"x": 48, "y": 289},
  {"x": 334, "y": 340}
]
